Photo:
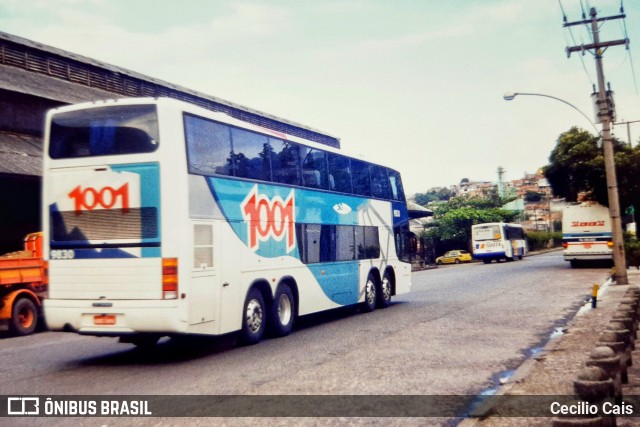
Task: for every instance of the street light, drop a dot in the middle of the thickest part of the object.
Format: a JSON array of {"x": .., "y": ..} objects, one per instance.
[
  {"x": 509, "y": 96},
  {"x": 619, "y": 260}
]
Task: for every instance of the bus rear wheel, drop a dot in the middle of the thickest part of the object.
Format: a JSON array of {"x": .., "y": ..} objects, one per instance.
[
  {"x": 370, "y": 294},
  {"x": 24, "y": 317},
  {"x": 384, "y": 292},
  {"x": 254, "y": 318},
  {"x": 282, "y": 311}
]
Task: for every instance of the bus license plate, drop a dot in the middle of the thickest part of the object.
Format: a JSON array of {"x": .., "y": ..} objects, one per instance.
[
  {"x": 587, "y": 245},
  {"x": 104, "y": 319}
]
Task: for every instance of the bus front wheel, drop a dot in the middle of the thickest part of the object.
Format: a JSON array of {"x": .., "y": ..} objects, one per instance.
[
  {"x": 254, "y": 318},
  {"x": 282, "y": 311}
]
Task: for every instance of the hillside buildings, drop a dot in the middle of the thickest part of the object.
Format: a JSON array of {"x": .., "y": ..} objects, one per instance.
[{"x": 539, "y": 210}]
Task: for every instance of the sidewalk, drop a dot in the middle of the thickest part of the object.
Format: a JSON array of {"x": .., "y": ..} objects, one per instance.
[{"x": 554, "y": 370}]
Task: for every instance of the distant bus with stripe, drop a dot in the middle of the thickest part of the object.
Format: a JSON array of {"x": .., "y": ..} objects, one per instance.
[
  {"x": 498, "y": 241},
  {"x": 586, "y": 234},
  {"x": 162, "y": 218}
]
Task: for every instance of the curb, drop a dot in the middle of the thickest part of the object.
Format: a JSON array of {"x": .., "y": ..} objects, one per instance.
[{"x": 528, "y": 365}]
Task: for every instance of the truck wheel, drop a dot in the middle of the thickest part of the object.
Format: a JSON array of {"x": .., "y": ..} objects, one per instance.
[{"x": 24, "y": 317}]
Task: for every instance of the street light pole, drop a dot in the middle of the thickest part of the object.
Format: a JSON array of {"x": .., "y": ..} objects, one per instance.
[
  {"x": 619, "y": 260},
  {"x": 509, "y": 96}
]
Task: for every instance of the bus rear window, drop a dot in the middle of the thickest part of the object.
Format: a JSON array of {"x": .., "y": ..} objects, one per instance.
[
  {"x": 104, "y": 131},
  {"x": 487, "y": 232}
]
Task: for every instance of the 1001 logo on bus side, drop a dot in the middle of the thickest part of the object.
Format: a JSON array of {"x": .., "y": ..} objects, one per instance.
[{"x": 269, "y": 218}]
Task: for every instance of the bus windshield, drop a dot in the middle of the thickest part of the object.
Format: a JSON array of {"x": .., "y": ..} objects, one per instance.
[
  {"x": 104, "y": 131},
  {"x": 487, "y": 232}
]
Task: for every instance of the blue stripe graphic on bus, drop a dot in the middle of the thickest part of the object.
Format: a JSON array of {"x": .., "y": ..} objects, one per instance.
[
  {"x": 264, "y": 217},
  {"x": 333, "y": 284},
  {"x": 111, "y": 212}
]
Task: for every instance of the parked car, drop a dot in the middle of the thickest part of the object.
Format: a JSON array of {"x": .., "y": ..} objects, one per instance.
[{"x": 454, "y": 257}]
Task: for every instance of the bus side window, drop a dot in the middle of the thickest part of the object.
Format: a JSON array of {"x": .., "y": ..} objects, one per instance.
[
  {"x": 396, "y": 185},
  {"x": 314, "y": 168},
  {"x": 251, "y": 159},
  {"x": 339, "y": 173},
  {"x": 361, "y": 177},
  {"x": 345, "y": 243},
  {"x": 403, "y": 244},
  {"x": 380, "y": 186},
  {"x": 208, "y": 146},
  {"x": 285, "y": 162}
]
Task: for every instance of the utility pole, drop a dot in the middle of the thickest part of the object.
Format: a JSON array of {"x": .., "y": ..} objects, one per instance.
[
  {"x": 628, "y": 130},
  {"x": 605, "y": 114}
]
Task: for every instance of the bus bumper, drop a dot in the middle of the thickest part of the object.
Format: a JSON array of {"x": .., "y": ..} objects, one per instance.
[
  {"x": 588, "y": 257},
  {"x": 113, "y": 317}
]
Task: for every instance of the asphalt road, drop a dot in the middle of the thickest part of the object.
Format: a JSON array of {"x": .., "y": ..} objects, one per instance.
[{"x": 457, "y": 332}]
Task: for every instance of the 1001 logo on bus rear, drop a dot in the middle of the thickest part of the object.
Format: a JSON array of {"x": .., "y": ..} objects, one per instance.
[{"x": 106, "y": 198}]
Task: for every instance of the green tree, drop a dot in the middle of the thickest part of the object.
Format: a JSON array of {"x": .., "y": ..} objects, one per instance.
[
  {"x": 453, "y": 220},
  {"x": 433, "y": 195},
  {"x": 576, "y": 165}
]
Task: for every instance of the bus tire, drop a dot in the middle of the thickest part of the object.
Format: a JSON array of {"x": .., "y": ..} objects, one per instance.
[
  {"x": 253, "y": 318},
  {"x": 24, "y": 317},
  {"x": 370, "y": 292},
  {"x": 487, "y": 261},
  {"x": 384, "y": 291},
  {"x": 283, "y": 310}
]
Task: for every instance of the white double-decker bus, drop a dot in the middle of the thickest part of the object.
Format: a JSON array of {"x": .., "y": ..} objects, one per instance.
[
  {"x": 162, "y": 218},
  {"x": 498, "y": 240}
]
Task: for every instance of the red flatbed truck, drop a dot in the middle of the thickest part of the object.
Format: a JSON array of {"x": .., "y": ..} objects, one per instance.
[{"x": 23, "y": 285}]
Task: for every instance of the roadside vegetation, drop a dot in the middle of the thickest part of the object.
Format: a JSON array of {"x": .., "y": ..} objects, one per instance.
[
  {"x": 453, "y": 219},
  {"x": 575, "y": 169}
]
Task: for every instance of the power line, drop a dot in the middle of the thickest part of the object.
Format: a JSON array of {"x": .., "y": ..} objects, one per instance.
[
  {"x": 564, "y": 19},
  {"x": 626, "y": 36}
]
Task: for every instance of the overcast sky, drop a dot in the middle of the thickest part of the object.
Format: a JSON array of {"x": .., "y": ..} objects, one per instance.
[{"x": 417, "y": 85}]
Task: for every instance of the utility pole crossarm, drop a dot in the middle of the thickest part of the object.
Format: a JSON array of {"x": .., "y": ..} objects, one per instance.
[
  {"x": 596, "y": 46},
  {"x": 589, "y": 21}
]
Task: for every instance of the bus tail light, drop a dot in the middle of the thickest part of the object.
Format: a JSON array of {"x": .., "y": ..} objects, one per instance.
[
  {"x": 565, "y": 245},
  {"x": 610, "y": 244},
  {"x": 169, "y": 278}
]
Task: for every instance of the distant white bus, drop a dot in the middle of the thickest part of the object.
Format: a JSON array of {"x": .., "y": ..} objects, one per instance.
[
  {"x": 586, "y": 233},
  {"x": 163, "y": 218},
  {"x": 497, "y": 241}
]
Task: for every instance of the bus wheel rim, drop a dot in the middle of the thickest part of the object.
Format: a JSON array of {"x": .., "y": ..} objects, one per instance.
[
  {"x": 254, "y": 316},
  {"x": 386, "y": 288},
  {"x": 371, "y": 292}
]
